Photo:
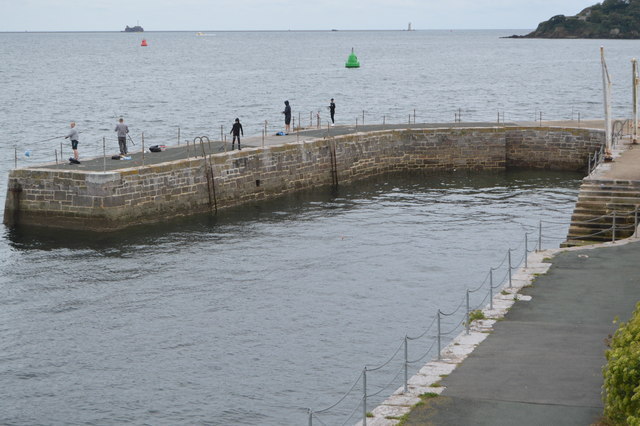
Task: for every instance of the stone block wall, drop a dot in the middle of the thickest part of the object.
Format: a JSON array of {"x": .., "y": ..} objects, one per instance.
[
  {"x": 115, "y": 200},
  {"x": 551, "y": 148}
]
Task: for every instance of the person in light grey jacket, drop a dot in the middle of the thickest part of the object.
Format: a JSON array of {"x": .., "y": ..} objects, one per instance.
[
  {"x": 73, "y": 135},
  {"x": 122, "y": 130}
]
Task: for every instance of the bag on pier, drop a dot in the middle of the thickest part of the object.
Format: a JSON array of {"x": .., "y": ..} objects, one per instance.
[{"x": 157, "y": 148}]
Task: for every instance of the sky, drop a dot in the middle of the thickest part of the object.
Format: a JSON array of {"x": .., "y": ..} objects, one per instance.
[{"x": 231, "y": 15}]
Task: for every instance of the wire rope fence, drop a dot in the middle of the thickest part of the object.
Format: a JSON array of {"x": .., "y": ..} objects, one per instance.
[{"x": 442, "y": 328}]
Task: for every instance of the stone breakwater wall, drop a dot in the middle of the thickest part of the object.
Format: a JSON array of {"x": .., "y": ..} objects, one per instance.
[{"x": 117, "y": 199}]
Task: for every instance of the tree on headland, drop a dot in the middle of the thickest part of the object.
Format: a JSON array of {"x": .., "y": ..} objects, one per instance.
[{"x": 609, "y": 19}]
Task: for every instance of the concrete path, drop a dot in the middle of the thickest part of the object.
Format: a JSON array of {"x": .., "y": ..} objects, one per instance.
[
  {"x": 543, "y": 364},
  {"x": 625, "y": 164}
]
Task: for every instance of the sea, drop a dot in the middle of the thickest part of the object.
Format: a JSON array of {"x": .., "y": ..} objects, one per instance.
[{"x": 266, "y": 311}]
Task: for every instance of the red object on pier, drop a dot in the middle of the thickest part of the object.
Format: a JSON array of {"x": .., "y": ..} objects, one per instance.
[{"x": 144, "y": 42}]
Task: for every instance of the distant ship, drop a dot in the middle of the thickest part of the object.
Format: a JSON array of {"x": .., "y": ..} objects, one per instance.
[{"x": 136, "y": 29}]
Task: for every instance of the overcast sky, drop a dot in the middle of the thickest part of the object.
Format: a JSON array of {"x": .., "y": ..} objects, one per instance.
[{"x": 158, "y": 15}]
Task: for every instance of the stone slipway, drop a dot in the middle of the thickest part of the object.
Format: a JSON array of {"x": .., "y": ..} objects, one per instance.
[{"x": 543, "y": 364}]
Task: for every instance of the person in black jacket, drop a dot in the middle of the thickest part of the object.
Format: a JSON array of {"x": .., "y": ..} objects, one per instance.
[
  {"x": 332, "y": 110},
  {"x": 236, "y": 130},
  {"x": 287, "y": 117}
]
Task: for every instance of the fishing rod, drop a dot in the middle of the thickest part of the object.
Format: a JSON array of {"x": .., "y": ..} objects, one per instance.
[
  {"x": 132, "y": 142},
  {"x": 55, "y": 137},
  {"x": 50, "y": 139}
]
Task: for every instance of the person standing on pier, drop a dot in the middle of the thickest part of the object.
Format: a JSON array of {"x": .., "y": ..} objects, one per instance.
[
  {"x": 122, "y": 130},
  {"x": 332, "y": 110},
  {"x": 287, "y": 117},
  {"x": 235, "y": 131},
  {"x": 73, "y": 135}
]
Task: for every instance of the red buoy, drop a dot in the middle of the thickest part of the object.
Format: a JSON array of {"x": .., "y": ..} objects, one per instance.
[{"x": 144, "y": 42}]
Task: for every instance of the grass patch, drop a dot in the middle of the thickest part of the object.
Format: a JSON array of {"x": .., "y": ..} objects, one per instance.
[
  {"x": 435, "y": 385},
  {"x": 428, "y": 395},
  {"x": 369, "y": 414},
  {"x": 476, "y": 315}
]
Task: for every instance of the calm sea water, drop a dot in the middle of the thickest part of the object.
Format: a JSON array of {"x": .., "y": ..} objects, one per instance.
[{"x": 251, "y": 317}]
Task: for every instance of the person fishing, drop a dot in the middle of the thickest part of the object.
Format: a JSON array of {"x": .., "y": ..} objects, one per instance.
[
  {"x": 122, "y": 131},
  {"x": 287, "y": 117},
  {"x": 73, "y": 135},
  {"x": 235, "y": 131}
]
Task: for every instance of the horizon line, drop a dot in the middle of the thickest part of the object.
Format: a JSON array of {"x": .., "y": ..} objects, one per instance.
[{"x": 264, "y": 30}]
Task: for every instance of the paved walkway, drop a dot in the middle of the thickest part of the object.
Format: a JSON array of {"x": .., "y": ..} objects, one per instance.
[
  {"x": 183, "y": 151},
  {"x": 543, "y": 364}
]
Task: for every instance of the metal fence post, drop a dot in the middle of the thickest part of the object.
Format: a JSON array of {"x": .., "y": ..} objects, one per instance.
[
  {"x": 510, "y": 269},
  {"x": 491, "y": 289},
  {"x": 438, "y": 334},
  {"x": 613, "y": 235},
  {"x": 363, "y": 117},
  {"x": 178, "y": 135},
  {"x": 356, "y": 124},
  {"x": 468, "y": 314},
  {"x": 540, "y": 236},
  {"x": 635, "y": 220},
  {"x": 526, "y": 249},
  {"x": 384, "y": 120},
  {"x": 364, "y": 397},
  {"x": 310, "y": 417},
  {"x": 589, "y": 166},
  {"x": 414, "y": 116},
  {"x": 406, "y": 363},
  {"x": 142, "y": 139},
  {"x": 15, "y": 157},
  {"x": 104, "y": 155}
]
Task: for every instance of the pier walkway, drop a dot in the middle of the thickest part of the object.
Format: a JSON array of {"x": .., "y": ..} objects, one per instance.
[
  {"x": 543, "y": 363},
  {"x": 183, "y": 151}
]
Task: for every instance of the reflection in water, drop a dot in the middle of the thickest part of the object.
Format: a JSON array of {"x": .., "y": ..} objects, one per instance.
[{"x": 253, "y": 315}]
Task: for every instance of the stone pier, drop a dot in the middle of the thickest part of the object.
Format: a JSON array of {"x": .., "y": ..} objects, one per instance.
[{"x": 187, "y": 180}]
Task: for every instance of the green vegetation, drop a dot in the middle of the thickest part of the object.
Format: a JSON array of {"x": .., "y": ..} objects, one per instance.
[
  {"x": 622, "y": 374},
  {"x": 428, "y": 395},
  {"x": 369, "y": 414},
  {"x": 609, "y": 19},
  {"x": 476, "y": 315}
]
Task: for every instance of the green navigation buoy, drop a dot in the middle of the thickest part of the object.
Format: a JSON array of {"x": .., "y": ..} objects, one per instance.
[{"x": 352, "y": 62}]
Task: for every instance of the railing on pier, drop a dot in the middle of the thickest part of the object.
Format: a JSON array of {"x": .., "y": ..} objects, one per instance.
[{"x": 317, "y": 119}]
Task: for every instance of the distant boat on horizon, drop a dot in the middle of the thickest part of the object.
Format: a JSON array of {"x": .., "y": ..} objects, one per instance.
[{"x": 135, "y": 29}]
